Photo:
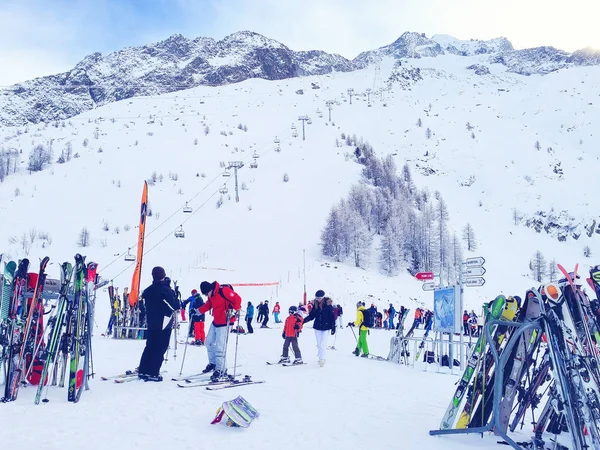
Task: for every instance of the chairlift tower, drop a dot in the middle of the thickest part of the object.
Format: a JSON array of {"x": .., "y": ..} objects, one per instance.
[
  {"x": 304, "y": 119},
  {"x": 350, "y": 94},
  {"x": 235, "y": 165},
  {"x": 329, "y": 104}
]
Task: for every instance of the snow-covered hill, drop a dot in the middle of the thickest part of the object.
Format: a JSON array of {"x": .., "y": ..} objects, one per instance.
[
  {"x": 514, "y": 156},
  {"x": 178, "y": 63}
]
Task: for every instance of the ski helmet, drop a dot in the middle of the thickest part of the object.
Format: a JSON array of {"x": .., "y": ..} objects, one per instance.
[{"x": 293, "y": 310}]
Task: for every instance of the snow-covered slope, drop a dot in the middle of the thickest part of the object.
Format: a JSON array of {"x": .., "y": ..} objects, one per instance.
[{"x": 481, "y": 156}]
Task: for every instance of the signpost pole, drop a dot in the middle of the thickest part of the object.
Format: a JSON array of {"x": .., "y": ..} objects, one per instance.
[{"x": 460, "y": 287}]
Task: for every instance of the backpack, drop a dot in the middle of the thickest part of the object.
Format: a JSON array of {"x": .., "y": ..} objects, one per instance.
[{"x": 368, "y": 319}]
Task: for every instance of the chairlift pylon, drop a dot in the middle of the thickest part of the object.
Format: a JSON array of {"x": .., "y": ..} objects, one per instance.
[
  {"x": 186, "y": 208},
  {"x": 129, "y": 256},
  {"x": 180, "y": 233}
]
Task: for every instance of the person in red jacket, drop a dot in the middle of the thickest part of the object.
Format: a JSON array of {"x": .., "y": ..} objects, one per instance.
[
  {"x": 224, "y": 303},
  {"x": 276, "y": 310},
  {"x": 291, "y": 331}
]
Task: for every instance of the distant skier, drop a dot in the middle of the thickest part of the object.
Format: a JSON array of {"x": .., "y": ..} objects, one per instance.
[
  {"x": 224, "y": 302},
  {"x": 249, "y": 317},
  {"x": 197, "y": 319},
  {"x": 466, "y": 323},
  {"x": 361, "y": 344},
  {"x": 276, "y": 310},
  {"x": 160, "y": 303},
  {"x": 340, "y": 314},
  {"x": 265, "y": 314},
  {"x": 392, "y": 313},
  {"x": 322, "y": 313},
  {"x": 259, "y": 316},
  {"x": 291, "y": 332}
]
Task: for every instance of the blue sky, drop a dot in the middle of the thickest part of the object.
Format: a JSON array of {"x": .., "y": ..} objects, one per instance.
[{"x": 44, "y": 37}]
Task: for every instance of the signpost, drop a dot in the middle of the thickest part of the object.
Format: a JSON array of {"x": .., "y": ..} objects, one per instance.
[
  {"x": 474, "y": 271},
  {"x": 474, "y": 281},
  {"x": 430, "y": 286},
  {"x": 475, "y": 262},
  {"x": 422, "y": 276}
]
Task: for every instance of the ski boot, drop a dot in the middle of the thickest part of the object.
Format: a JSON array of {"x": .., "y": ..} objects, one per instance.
[
  {"x": 209, "y": 368},
  {"x": 298, "y": 361},
  {"x": 284, "y": 360}
]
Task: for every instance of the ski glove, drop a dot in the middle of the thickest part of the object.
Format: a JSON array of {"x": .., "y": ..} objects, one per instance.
[
  {"x": 333, "y": 331},
  {"x": 283, "y": 334},
  {"x": 350, "y": 324}
]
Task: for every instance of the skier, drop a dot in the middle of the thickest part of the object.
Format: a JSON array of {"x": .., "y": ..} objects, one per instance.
[
  {"x": 466, "y": 323},
  {"x": 197, "y": 319},
  {"x": 190, "y": 301},
  {"x": 221, "y": 300},
  {"x": 291, "y": 332},
  {"x": 361, "y": 343},
  {"x": 392, "y": 312},
  {"x": 418, "y": 315},
  {"x": 259, "y": 317},
  {"x": 249, "y": 317},
  {"x": 386, "y": 319},
  {"x": 160, "y": 303},
  {"x": 340, "y": 313},
  {"x": 480, "y": 321},
  {"x": 322, "y": 313},
  {"x": 276, "y": 310},
  {"x": 265, "y": 314}
]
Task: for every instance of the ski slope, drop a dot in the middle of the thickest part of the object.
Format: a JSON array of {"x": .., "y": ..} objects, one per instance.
[{"x": 261, "y": 239}]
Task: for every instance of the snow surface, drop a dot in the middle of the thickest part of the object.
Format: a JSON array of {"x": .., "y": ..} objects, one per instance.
[{"x": 262, "y": 238}]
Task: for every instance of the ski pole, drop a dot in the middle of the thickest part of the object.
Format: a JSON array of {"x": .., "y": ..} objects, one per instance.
[
  {"x": 237, "y": 338},
  {"x": 355, "y": 338},
  {"x": 186, "y": 346}
]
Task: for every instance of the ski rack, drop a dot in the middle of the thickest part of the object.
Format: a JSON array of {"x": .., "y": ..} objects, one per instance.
[{"x": 500, "y": 363}]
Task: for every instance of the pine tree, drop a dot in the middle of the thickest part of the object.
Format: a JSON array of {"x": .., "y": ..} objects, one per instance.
[
  {"x": 469, "y": 237},
  {"x": 552, "y": 270},
  {"x": 538, "y": 266},
  {"x": 332, "y": 235}
]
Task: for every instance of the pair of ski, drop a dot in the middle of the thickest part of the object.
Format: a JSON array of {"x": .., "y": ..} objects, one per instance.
[{"x": 273, "y": 363}]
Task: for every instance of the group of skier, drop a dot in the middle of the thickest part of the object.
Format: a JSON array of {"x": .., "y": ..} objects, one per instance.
[{"x": 224, "y": 304}]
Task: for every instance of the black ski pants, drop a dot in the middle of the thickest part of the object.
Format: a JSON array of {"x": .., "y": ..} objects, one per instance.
[
  {"x": 265, "y": 320},
  {"x": 286, "y": 347},
  {"x": 249, "y": 325},
  {"x": 157, "y": 342}
]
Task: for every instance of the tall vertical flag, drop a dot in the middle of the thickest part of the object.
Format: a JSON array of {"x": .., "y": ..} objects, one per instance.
[{"x": 137, "y": 273}]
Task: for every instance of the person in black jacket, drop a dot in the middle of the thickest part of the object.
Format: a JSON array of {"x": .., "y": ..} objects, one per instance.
[
  {"x": 265, "y": 314},
  {"x": 322, "y": 314},
  {"x": 160, "y": 303}
]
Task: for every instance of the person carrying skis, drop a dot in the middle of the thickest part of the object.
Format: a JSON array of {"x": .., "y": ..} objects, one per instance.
[
  {"x": 249, "y": 317},
  {"x": 276, "y": 310},
  {"x": 224, "y": 303},
  {"x": 291, "y": 332},
  {"x": 322, "y": 313},
  {"x": 361, "y": 343},
  {"x": 160, "y": 303}
]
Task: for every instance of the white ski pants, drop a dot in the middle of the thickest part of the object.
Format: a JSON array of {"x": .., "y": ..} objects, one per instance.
[{"x": 321, "y": 342}]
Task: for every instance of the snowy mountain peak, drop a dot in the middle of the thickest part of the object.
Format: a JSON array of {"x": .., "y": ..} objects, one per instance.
[{"x": 473, "y": 46}]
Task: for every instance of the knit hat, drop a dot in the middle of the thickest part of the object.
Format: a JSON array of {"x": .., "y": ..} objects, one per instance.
[
  {"x": 320, "y": 293},
  {"x": 194, "y": 291},
  {"x": 358, "y": 304},
  {"x": 206, "y": 287},
  {"x": 158, "y": 273}
]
